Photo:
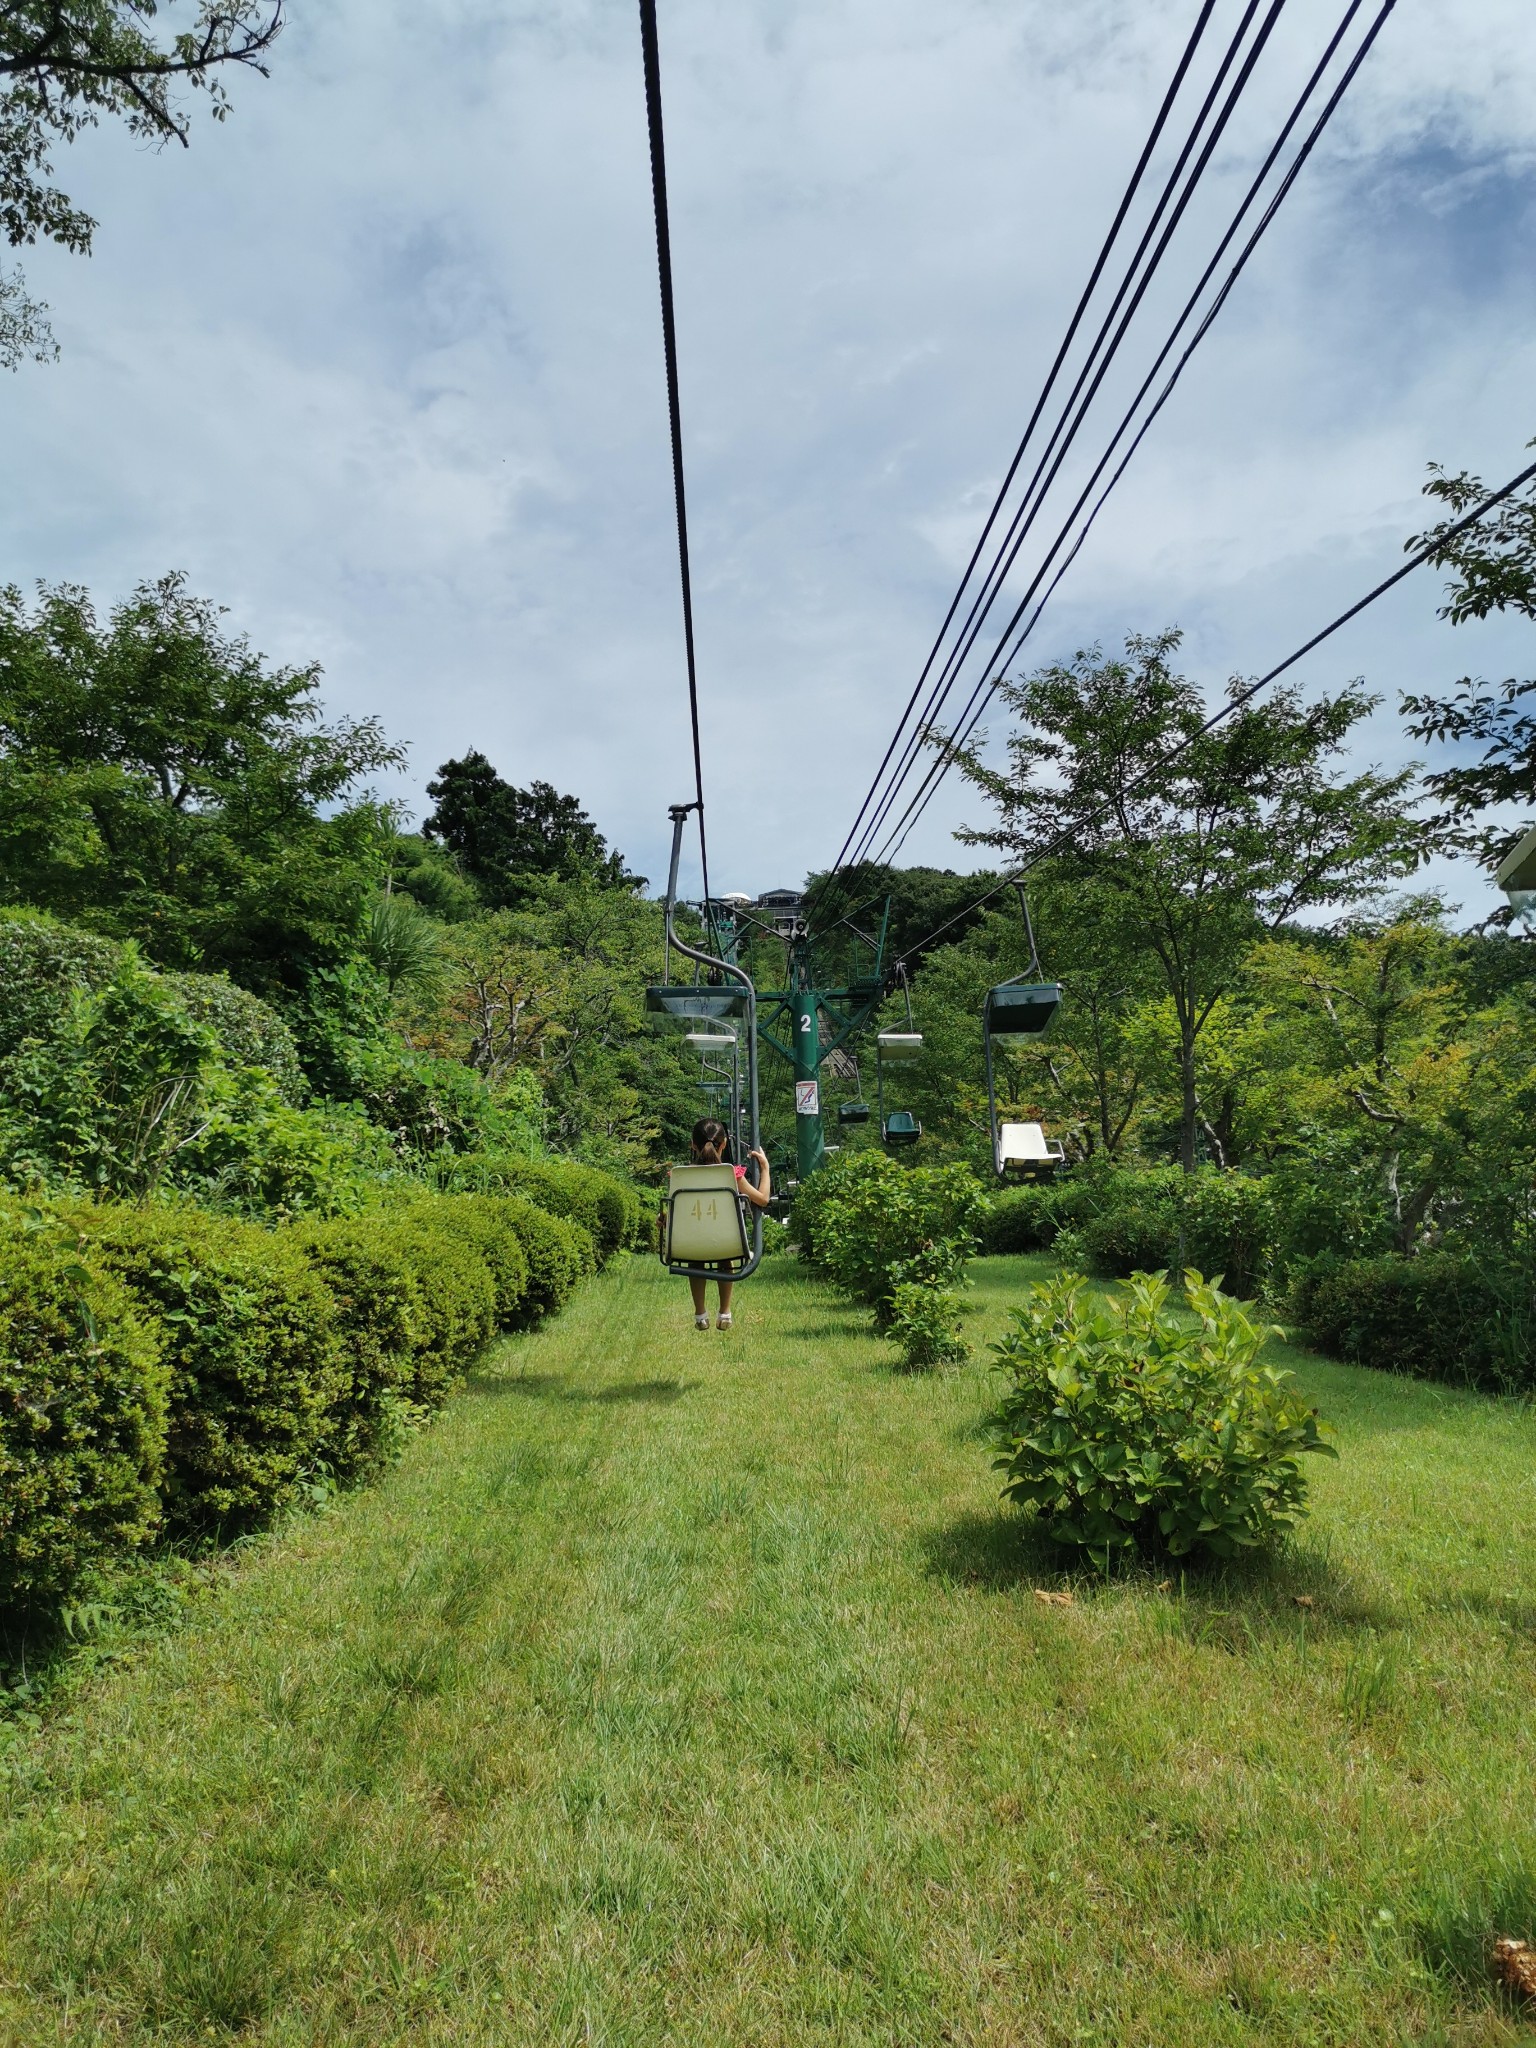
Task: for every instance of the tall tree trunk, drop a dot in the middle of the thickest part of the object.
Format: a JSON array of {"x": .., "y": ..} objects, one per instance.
[{"x": 1189, "y": 1122}]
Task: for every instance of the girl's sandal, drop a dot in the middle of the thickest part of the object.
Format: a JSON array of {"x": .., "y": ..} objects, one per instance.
[
  {"x": 701, "y": 1322},
  {"x": 723, "y": 1322}
]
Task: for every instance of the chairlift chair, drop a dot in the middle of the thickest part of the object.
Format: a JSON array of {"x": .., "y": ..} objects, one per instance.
[
  {"x": 856, "y": 1110},
  {"x": 706, "y": 1230},
  {"x": 1024, "y": 1152},
  {"x": 1021, "y": 1008},
  {"x": 900, "y": 1127}
]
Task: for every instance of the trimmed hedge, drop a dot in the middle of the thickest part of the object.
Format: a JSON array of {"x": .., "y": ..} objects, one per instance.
[
  {"x": 560, "y": 1253},
  {"x": 602, "y": 1204},
  {"x": 167, "y": 1362},
  {"x": 457, "y": 1297},
  {"x": 1435, "y": 1316},
  {"x": 82, "y": 1420},
  {"x": 257, "y": 1374},
  {"x": 477, "y": 1221},
  {"x": 381, "y": 1324}
]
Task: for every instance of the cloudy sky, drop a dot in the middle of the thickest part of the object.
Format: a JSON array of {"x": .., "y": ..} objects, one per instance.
[{"x": 378, "y": 364}]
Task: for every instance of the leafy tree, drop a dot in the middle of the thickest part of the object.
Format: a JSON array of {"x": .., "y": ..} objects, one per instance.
[
  {"x": 159, "y": 782},
  {"x": 1242, "y": 829},
  {"x": 66, "y": 63},
  {"x": 1494, "y": 570},
  {"x": 502, "y": 836},
  {"x": 556, "y": 990},
  {"x": 1086, "y": 1077},
  {"x": 1390, "y": 1054},
  {"x": 921, "y": 900}
]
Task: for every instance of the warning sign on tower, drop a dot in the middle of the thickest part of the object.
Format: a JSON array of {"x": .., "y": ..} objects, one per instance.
[{"x": 807, "y": 1100}]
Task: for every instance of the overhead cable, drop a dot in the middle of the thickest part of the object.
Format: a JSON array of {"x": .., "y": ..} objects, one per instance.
[
  {"x": 1137, "y": 278},
  {"x": 1126, "y": 199},
  {"x": 999, "y": 661},
  {"x": 1431, "y": 550},
  {"x": 652, "y": 54}
]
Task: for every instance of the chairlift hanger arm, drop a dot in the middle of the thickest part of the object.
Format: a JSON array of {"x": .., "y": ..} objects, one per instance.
[{"x": 679, "y": 814}]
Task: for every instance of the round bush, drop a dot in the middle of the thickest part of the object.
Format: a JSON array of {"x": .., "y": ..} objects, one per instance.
[
  {"x": 560, "y": 1253},
  {"x": 250, "y": 1032},
  {"x": 1135, "y": 1425},
  {"x": 43, "y": 964},
  {"x": 82, "y": 1420},
  {"x": 257, "y": 1375},
  {"x": 380, "y": 1324}
]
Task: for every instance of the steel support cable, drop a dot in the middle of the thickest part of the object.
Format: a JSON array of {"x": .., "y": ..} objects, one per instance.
[
  {"x": 986, "y": 684},
  {"x": 1073, "y": 830},
  {"x": 652, "y": 54},
  {"x": 1128, "y": 196},
  {"x": 1001, "y": 667},
  {"x": 1068, "y": 428},
  {"x": 1030, "y": 503}
]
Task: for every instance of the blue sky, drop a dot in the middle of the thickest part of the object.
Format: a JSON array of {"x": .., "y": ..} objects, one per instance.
[{"x": 378, "y": 363}]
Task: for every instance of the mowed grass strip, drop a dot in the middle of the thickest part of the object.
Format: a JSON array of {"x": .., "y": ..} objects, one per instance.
[{"x": 684, "y": 1689}]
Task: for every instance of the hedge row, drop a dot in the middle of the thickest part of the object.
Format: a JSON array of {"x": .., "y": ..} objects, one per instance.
[
  {"x": 1124, "y": 1220},
  {"x": 1435, "y": 1316},
  {"x": 602, "y": 1204},
  {"x": 168, "y": 1368}
]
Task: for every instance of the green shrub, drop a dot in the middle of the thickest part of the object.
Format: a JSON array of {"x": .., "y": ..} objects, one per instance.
[
  {"x": 44, "y": 965},
  {"x": 479, "y": 1221},
  {"x": 925, "y": 1322},
  {"x": 110, "y": 1098},
  {"x": 248, "y": 1032},
  {"x": 1120, "y": 1220},
  {"x": 870, "y": 1216},
  {"x": 256, "y": 1372},
  {"x": 1436, "y": 1316},
  {"x": 1125, "y": 1425},
  {"x": 258, "y": 1155},
  {"x": 1023, "y": 1219},
  {"x": 380, "y": 1326},
  {"x": 456, "y": 1295},
  {"x": 560, "y": 1253},
  {"x": 598, "y": 1201},
  {"x": 82, "y": 1417}
]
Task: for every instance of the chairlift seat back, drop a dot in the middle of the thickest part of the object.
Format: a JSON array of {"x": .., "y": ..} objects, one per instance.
[
  {"x": 901, "y": 1128},
  {"x": 853, "y": 1112},
  {"x": 706, "y": 1219},
  {"x": 1021, "y": 1008},
  {"x": 1024, "y": 1148},
  {"x": 685, "y": 1002},
  {"x": 899, "y": 1045}
]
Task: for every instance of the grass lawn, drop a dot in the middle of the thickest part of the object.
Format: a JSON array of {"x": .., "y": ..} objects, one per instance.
[{"x": 683, "y": 1689}]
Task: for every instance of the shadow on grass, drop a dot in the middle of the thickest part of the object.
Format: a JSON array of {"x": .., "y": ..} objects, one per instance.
[
  {"x": 994, "y": 1553},
  {"x": 659, "y": 1392},
  {"x": 1234, "y": 1605},
  {"x": 528, "y": 1386},
  {"x": 555, "y": 1386}
]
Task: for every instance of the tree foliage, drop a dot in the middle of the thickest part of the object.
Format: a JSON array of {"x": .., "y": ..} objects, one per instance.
[
  {"x": 1208, "y": 837},
  {"x": 504, "y": 837},
  {"x": 1490, "y": 728},
  {"x": 159, "y": 781},
  {"x": 64, "y": 64}
]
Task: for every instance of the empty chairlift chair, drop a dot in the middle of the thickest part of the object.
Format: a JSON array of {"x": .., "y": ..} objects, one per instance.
[
  {"x": 1024, "y": 1152},
  {"x": 897, "y": 1126},
  {"x": 1019, "y": 1009}
]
